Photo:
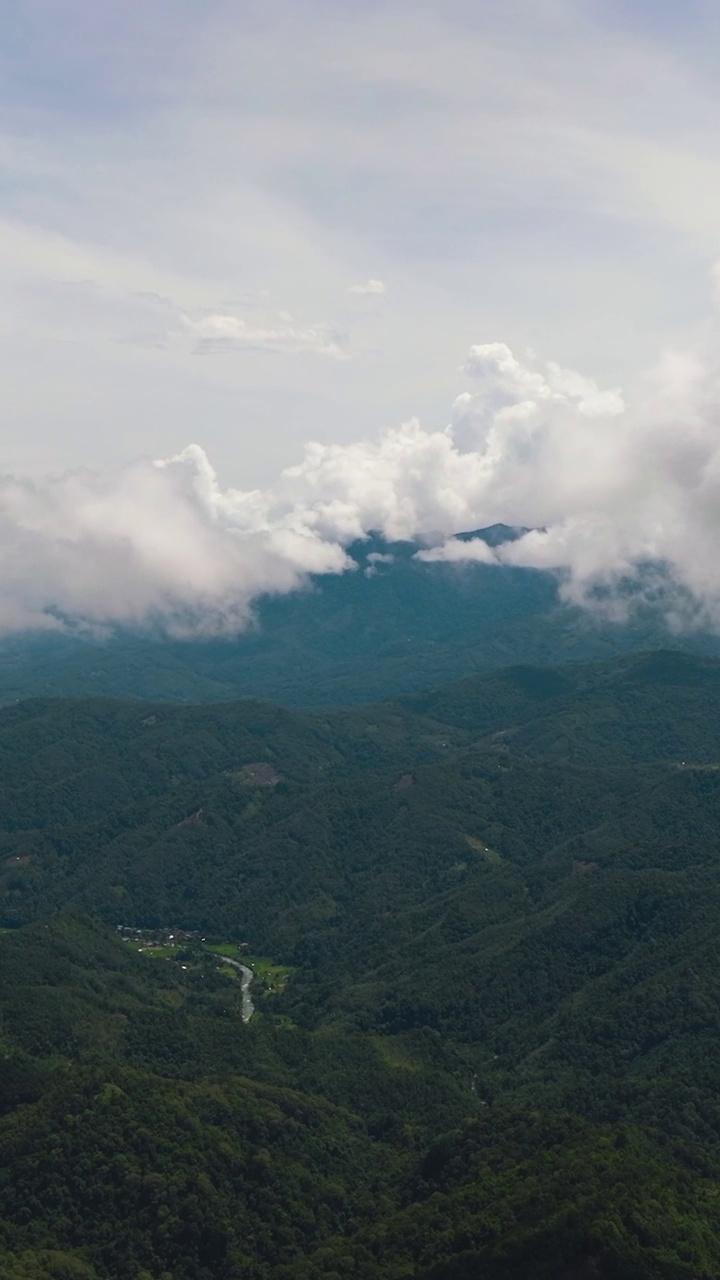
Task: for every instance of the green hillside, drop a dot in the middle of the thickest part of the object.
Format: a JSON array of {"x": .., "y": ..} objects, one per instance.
[{"x": 487, "y": 1004}]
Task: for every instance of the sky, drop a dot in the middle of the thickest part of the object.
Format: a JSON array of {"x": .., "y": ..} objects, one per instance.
[{"x": 272, "y": 275}]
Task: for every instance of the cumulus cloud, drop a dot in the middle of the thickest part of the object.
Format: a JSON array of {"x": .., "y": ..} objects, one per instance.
[
  {"x": 371, "y": 288},
  {"x": 152, "y": 543},
  {"x": 612, "y": 493},
  {"x": 625, "y": 501}
]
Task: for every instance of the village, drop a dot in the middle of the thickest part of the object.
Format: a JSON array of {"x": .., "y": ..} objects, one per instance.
[{"x": 146, "y": 938}]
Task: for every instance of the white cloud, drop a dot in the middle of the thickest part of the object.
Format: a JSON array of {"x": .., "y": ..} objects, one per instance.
[
  {"x": 372, "y": 288},
  {"x": 535, "y": 171},
  {"x": 78, "y": 308},
  {"x": 374, "y": 559},
  {"x": 505, "y": 378},
  {"x": 615, "y": 496},
  {"x": 611, "y": 488},
  {"x": 217, "y": 333},
  {"x": 457, "y": 551},
  {"x": 151, "y": 543}
]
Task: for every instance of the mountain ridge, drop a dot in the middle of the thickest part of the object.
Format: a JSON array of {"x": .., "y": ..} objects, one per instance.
[{"x": 391, "y": 626}]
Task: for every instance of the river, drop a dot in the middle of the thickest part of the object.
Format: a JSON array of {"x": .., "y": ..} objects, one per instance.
[{"x": 246, "y": 977}]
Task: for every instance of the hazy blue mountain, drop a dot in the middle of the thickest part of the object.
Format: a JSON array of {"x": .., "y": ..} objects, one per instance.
[{"x": 393, "y": 625}]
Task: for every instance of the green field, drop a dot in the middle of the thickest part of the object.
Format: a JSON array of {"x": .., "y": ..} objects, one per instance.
[
  {"x": 273, "y": 977},
  {"x": 230, "y": 949}
]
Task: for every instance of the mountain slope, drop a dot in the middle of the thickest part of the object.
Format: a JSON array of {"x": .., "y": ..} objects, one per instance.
[
  {"x": 173, "y": 1140},
  {"x": 494, "y": 1048},
  {"x": 394, "y": 625}
]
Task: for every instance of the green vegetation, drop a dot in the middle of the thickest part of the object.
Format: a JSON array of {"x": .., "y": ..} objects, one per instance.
[
  {"x": 272, "y": 977},
  {"x": 483, "y": 923}
]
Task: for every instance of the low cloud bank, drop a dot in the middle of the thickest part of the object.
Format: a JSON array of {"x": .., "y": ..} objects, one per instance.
[{"x": 611, "y": 487}]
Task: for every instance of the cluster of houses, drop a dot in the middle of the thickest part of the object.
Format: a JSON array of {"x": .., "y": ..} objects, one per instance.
[{"x": 158, "y": 937}]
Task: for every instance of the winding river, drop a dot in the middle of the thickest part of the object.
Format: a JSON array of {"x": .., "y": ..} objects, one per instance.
[{"x": 246, "y": 977}]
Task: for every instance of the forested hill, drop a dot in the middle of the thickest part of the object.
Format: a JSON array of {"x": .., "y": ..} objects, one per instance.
[
  {"x": 394, "y": 625},
  {"x": 483, "y": 923}
]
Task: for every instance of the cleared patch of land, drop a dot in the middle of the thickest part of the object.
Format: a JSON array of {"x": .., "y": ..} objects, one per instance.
[
  {"x": 231, "y": 949},
  {"x": 479, "y": 846},
  {"x": 699, "y": 768},
  {"x": 257, "y": 774},
  {"x": 272, "y": 977}
]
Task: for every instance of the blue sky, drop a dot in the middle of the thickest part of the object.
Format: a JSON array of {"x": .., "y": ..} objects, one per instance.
[{"x": 189, "y": 192}]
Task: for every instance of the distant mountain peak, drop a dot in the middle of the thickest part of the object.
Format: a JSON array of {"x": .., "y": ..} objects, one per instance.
[
  {"x": 376, "y": 544},
  {"x": 495, "y": 534}
]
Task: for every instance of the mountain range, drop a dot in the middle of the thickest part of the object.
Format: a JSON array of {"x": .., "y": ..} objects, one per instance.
[{"x": 396, "y": 624}]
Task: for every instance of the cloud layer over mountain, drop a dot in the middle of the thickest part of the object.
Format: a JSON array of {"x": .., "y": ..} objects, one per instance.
[{"x": 606, "y": 487}]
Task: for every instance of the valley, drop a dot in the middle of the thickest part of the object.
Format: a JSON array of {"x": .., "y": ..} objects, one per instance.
[
  {"x": 360, "y": 641},
  {"x": 466, "y": 938}
]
